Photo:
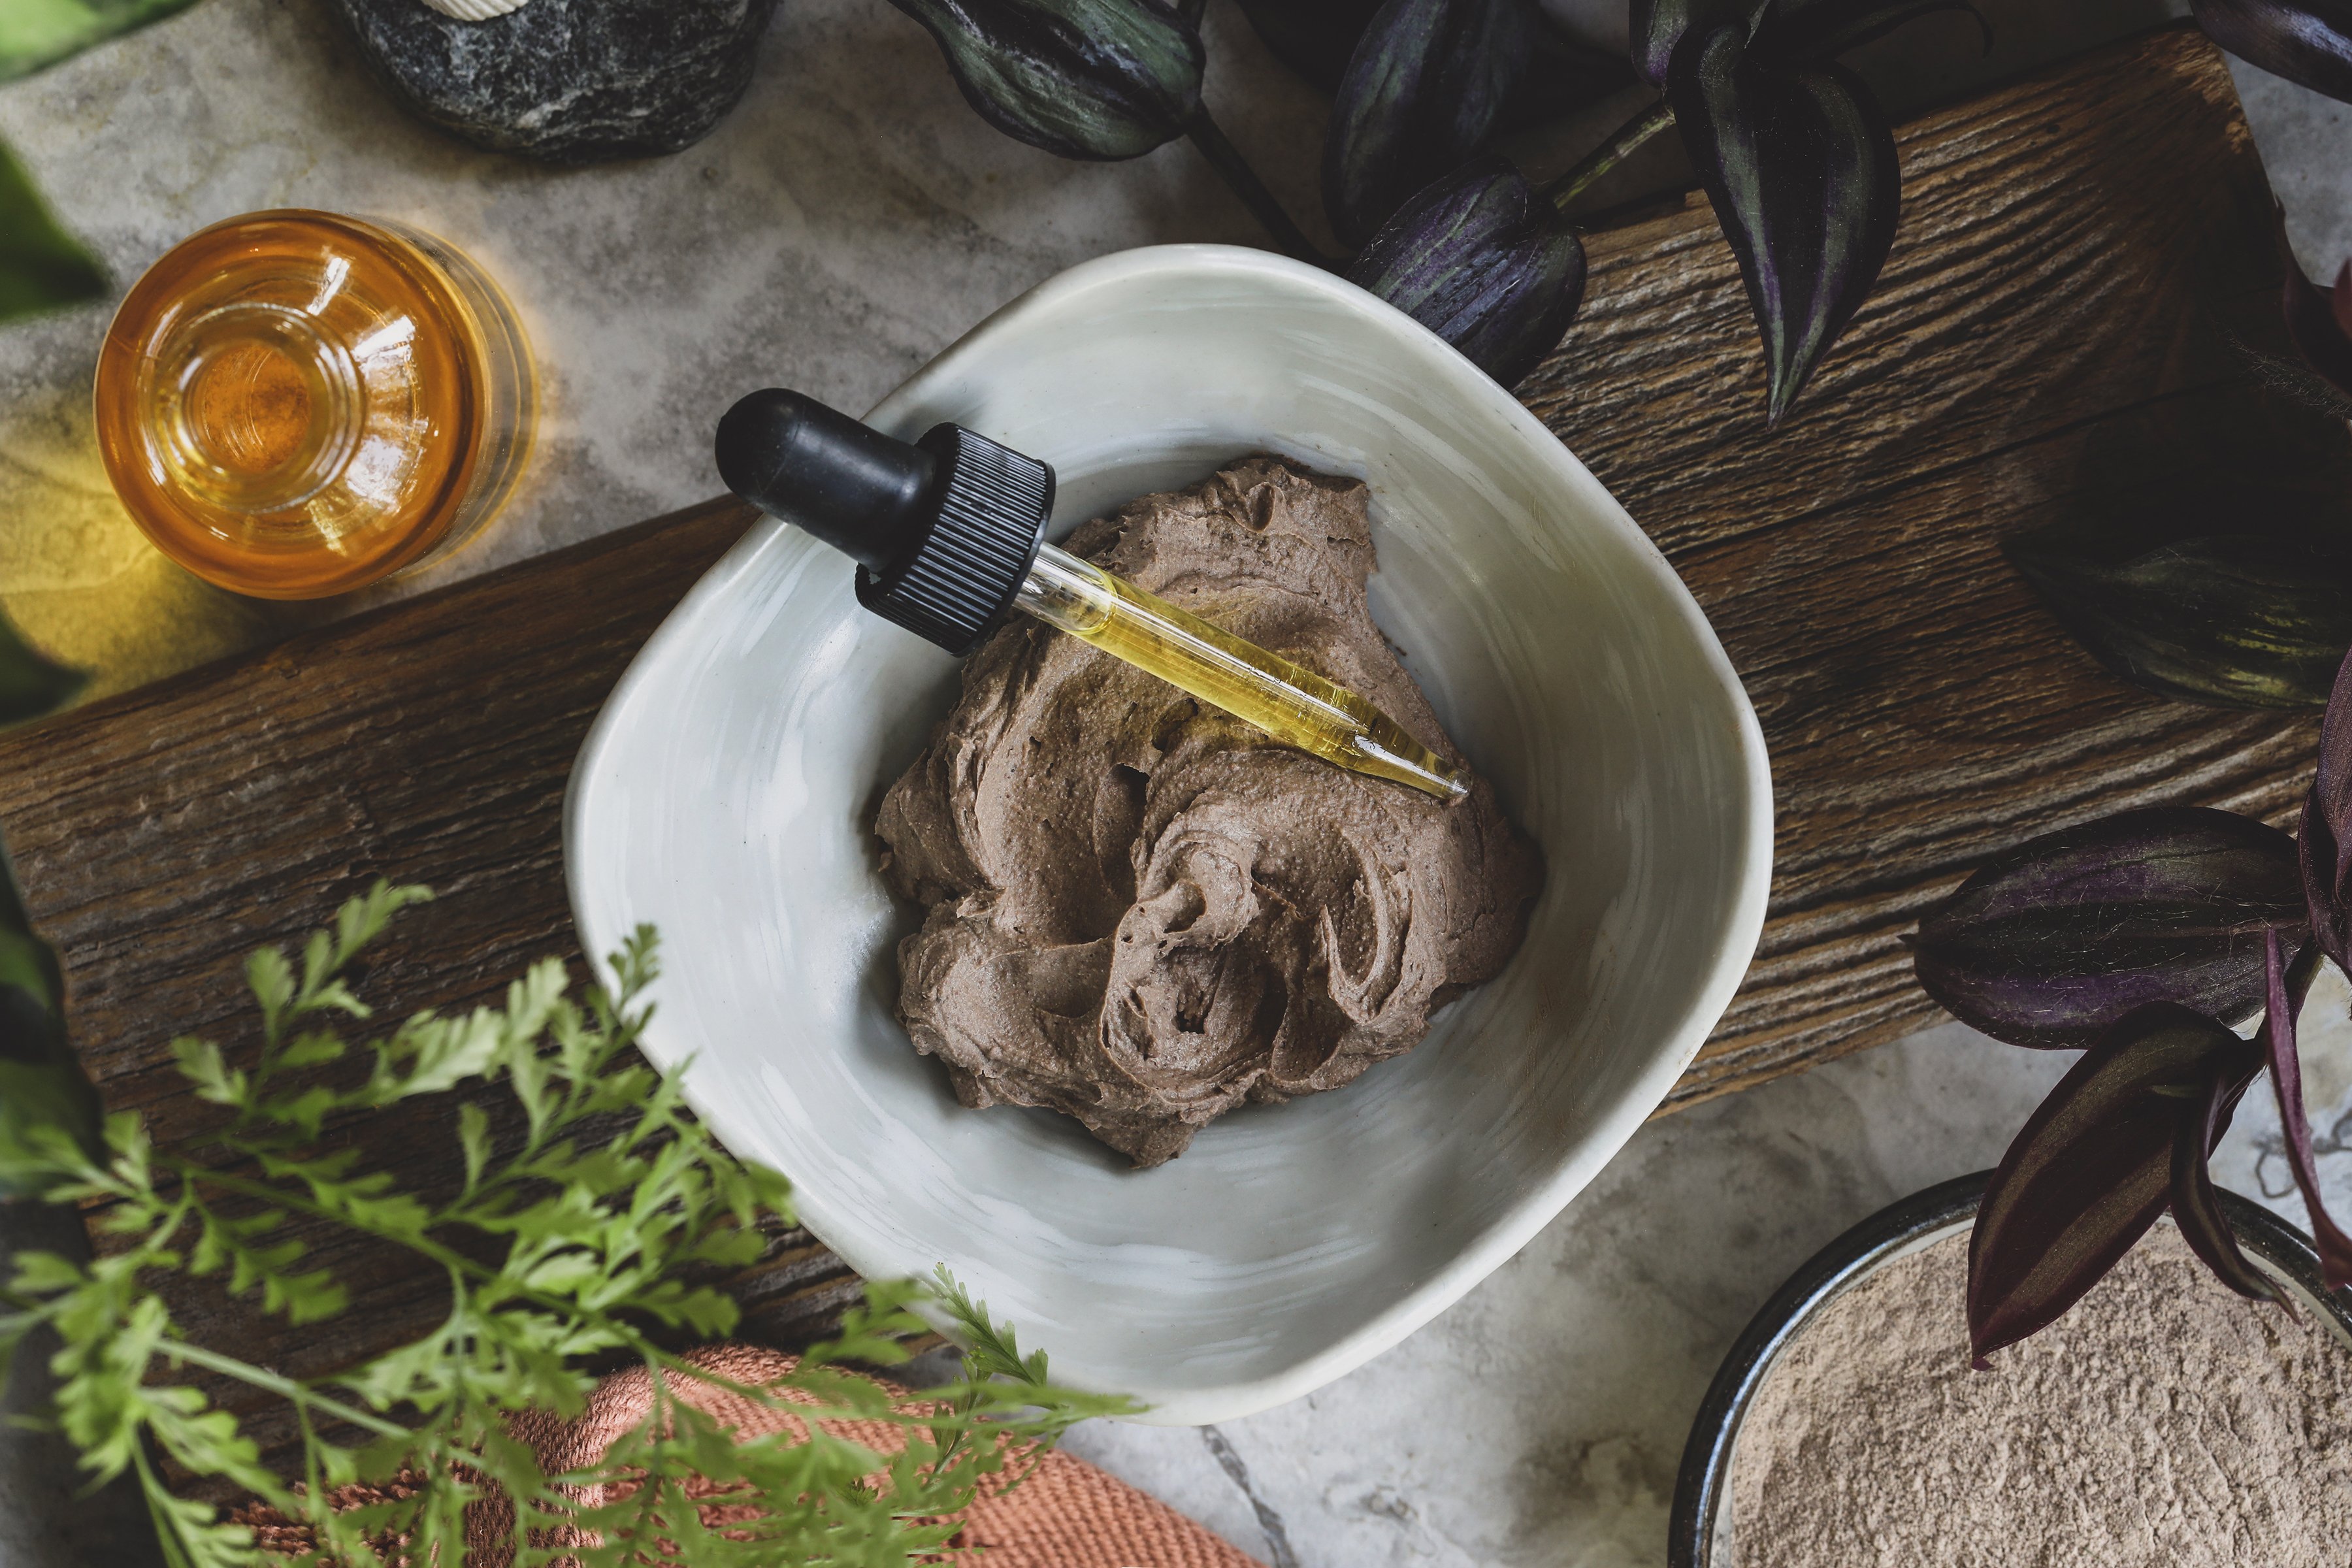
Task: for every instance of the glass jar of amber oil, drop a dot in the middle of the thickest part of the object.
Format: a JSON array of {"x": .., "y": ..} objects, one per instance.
[{"x": 297, "y": 403}]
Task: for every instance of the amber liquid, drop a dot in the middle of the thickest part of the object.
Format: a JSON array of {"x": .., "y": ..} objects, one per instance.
[
  {"x": 295, "y": 404},
  {"x": 1288, "y": 700}
]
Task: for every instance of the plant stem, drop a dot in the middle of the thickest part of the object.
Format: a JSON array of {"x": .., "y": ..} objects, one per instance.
[
  {"x": 1610, "y": 153},
  {"x": 457, "y": 1262},
  {"x": 284, "y": 1387},
  {"x": 158, "y": 1498},
  {"x": 1233, "y": 169}
]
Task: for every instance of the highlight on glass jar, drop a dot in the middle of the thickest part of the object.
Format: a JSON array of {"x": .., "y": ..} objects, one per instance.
[{"x": 294, "y": 403}]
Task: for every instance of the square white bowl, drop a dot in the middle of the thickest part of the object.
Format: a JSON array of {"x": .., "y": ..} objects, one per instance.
[{"x": 727, "y": 793}]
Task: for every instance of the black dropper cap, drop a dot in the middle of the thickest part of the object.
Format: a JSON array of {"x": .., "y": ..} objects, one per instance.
[{"x": 944, "y": 532}]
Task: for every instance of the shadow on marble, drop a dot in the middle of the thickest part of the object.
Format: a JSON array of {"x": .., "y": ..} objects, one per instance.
[{"x": 1541, "y": 1420}]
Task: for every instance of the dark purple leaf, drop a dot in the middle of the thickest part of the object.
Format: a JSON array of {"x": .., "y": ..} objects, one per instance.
[
  {"x": 1659, "y": 26},
  {"x": 2316, "y": 850},
  {"x": 2324, "y": 835},
  {"x": 2237, "y": 620},
  {"x": 2052, "y": 941},
  {"x": 1800, "y": 164},
  {"x": 2204, "y": 1117},
  {"x": 2091, "y": 1170},
  {"x": 1424, "y": 89},
  {"x": 2307, "y": 41},
  {"x": 1485, "y": 263},
  {"x": 1081, "y": 78},
  {"x": 2286, "y": 1077},
  {"x": 1818, "y": 29},
  {"x": 2318, "y": 320}
]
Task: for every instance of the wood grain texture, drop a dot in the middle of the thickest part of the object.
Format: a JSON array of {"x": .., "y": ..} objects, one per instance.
[{"x": 2050, "y": 344}]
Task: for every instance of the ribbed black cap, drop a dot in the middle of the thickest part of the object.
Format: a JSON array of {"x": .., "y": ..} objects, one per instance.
[
  {"x": 944, "y": 530},
  {"x": 988, "y": 520}
]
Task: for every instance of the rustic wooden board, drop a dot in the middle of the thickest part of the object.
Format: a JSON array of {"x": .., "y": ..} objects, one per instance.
[{"x": 2051, "y": 343}]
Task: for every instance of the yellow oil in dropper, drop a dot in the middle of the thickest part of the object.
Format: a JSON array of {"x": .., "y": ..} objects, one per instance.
[
  {"x": 1288, "y": 701},
  {"x": 948, "y": 534}
]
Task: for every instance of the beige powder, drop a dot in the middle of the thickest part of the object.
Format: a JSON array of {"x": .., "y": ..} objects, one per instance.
[{"x": 2162, "y": 1422}]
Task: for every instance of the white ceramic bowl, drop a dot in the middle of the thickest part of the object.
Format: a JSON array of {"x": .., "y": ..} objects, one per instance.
[{"x": 728, "y": 790}]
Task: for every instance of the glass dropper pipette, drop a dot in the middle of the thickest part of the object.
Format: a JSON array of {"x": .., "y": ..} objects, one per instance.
[{"x": 949, "y": 533}]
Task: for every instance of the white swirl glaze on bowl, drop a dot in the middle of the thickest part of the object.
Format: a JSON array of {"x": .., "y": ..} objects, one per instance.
[{"x": 727, "y": 791}]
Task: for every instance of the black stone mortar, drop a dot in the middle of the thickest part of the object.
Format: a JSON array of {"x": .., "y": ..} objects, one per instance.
[{"x": 569, "y": 81}]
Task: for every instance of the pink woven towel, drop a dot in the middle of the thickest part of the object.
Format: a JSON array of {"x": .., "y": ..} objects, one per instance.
[{"x": 1067, "y": 1514}]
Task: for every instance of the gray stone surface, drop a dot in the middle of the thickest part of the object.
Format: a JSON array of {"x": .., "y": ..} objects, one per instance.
[
  {"x": 846, "y": 223},
  {"x": 571, "y": 81},
  {"x": 1540, "y": 1421}
]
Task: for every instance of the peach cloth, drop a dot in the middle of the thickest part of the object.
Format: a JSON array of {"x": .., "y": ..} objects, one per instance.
[{"x": 1067, "y": 1514}]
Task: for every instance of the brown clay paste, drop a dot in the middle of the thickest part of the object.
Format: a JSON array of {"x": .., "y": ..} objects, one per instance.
[{"x": 1141, "y": 911}]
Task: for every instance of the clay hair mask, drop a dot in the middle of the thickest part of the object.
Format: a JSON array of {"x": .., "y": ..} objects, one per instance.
[
  {"x": 2162, "y": 1422},
  {"x": 1143, "y": 913}
]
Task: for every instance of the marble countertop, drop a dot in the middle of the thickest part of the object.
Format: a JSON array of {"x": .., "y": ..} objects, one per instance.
[{"x": 847, "y": 221}]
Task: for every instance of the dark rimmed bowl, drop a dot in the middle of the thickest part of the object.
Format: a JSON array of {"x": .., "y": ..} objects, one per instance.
[{"x": 1699, "y": 1530}]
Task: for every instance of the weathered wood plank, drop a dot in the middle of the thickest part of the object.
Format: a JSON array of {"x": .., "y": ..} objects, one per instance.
[
  {"x": 2050, "y": 345},
  {"x": 167, "y": 830}
]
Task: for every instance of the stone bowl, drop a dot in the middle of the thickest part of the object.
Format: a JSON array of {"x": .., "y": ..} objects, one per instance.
[{"x": 727, "y": 794}]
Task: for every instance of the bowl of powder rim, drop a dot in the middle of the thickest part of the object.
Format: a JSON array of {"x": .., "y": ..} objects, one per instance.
[{"x": 2163, "y": 1420}]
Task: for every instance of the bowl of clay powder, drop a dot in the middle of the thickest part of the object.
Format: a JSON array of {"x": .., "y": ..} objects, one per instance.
[{"x": 2162, "y": 1421}]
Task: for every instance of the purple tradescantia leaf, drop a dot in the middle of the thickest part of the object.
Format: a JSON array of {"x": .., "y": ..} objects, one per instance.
[
  {"x": 2286, "y": 1077},
  {"x": 2308, "y": 42},
  {"x": 2317, "y": 855},
  {"x": 1791, "y": 30},
  {"x": 1799, "y": 161},
  {"x": 2091, "y": 1170},
  {"x": 2324, "y": 835},
  {"x": 1081, "y": 78},
  {"x": 1659, "y": 26},
  {"x": 2204, "y": 1117},
  {"x": 1485, "y": 262},
  {"x": 2318, "y": 320},
  {"x": 2052, "y": 941},
  {"x": 2234, "y": 620},
  {"x": 1426, "y": 87},
  {"x": 1317, "y": 37}
]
